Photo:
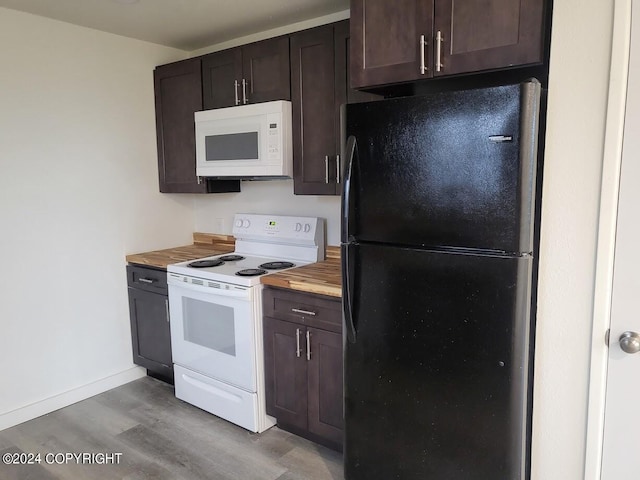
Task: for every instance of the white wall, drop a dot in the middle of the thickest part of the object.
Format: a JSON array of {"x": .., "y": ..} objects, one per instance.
[
  {"x": 579, "y": 74},
  {"x": 78, "y": 191}
]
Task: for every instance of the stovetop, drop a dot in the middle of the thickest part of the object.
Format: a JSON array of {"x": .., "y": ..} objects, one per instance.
[
  {"x": 227, "y": 270},
  {"x": 260, "y": 240}
]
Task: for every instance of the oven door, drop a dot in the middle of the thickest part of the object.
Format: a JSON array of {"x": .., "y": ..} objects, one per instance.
[{"x": 213, "y": 333}]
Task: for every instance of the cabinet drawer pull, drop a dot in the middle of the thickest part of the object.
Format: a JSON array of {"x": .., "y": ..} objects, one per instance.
[
  {"x": 308, "y": 345},
  {"x": 337, "y": 168},
  {"x": 438, "y": 51},
  {"x": 304, "y": 312},
  {"x": 423, "y": 66},
  {"x": 166, "y": 308},
  {"x": 146, "y": 280},
  {"x": 298, "y": 350}
]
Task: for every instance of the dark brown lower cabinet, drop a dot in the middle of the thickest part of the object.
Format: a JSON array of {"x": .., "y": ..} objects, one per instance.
[
  {"x": 303, "y": 365},
  {"x": 149, "y": 316}
]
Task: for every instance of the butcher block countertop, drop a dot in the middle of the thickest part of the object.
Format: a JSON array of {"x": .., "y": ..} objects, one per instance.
[
  {"x": 322, "y": 277},
  {"x": 204, "y": 245}
]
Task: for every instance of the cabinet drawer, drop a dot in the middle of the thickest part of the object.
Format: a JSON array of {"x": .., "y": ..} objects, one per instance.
[
  {"x": 306, "y": 309},
  {"x": 148, "y": 279}
]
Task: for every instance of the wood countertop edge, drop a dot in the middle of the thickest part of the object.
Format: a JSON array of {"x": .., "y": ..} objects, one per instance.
[{"x": 303, "y": 287}]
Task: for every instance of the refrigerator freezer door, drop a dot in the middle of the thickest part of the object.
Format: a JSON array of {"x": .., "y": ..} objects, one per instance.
[
  {"x": 436, "y": 381},
  {"x": 452, "y": 169}
]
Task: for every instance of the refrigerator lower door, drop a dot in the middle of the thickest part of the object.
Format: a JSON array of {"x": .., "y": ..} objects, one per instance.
[{"x": 436, "y": 376}]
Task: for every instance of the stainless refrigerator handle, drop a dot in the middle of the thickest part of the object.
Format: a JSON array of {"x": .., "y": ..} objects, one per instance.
[
  {"x": 439, "y": 51},
  {"x": 338, "y": 168},
  {"x": 326, "y": 169},
  {"x": 423, "y": 66},
  {"x": 235, "y": 90},
  {"x": 308, "y": 345},
  {"x": 298, "y": 351},
  {"x": 166, "y": 308},
  {"x": 244, "y": 91}
]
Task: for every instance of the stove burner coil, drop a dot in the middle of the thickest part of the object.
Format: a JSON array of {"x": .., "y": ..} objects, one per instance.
[
  {"x": 276, "y": 265},
  {"x": 250, "y": 272},
  {"x": 206, "y": 263},
  {"x": 231, "y": 258}
]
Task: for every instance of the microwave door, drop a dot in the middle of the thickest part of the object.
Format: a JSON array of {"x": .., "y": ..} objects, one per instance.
[{"x": 232, "y": 147}]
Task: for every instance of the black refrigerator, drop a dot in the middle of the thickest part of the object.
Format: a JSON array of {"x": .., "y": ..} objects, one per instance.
[{"x": 437, "y": 260}]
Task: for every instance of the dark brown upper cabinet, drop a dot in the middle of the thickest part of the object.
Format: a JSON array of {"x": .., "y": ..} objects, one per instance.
[
  {"x": 178, "y": 94},
  {"x": 319, "y": 86},
  {"x": 253, "y": 73},
  {"x": 407, "y": 40}
]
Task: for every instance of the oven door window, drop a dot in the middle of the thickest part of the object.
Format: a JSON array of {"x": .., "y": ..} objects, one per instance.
[
  {"x": 214, "y": 335},
  {"x": 209, "y": 325},
  {"x": 231, "y": 146}
]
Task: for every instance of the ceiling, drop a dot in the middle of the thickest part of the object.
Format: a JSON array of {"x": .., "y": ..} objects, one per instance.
[{"x": 184, "y": 24}]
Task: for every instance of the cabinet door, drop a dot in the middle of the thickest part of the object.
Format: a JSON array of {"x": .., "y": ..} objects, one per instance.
[
  {"x": 314, "y": 117},
  {"x": 385, "y": 41},
  {"x": 265, "y": 69},
  {"x": 324, "y": 373},
  {"x": 344, "y": 92},
  {"x": 150, "y": 331},
  {"x": 178, "y": 94},
  {"x": 220, "y": 72},
  {"x": 285, "y": 372},
  {"x": 489, "y": 34}
]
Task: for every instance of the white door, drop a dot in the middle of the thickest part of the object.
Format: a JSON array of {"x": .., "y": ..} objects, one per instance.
[{"x": 621, "y": 439}]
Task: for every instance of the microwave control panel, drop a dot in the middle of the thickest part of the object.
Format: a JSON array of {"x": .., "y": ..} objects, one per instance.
[{"x": 274, "y": 122}]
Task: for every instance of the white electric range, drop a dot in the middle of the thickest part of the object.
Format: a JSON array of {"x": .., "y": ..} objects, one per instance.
[{"x": 216, "y": 315}]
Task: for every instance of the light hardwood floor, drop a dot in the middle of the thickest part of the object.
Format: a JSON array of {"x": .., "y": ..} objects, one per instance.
[{"x": 160, "y": 437}]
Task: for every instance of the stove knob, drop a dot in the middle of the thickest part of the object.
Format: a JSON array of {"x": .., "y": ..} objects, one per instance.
[
  {"x": 307, "y": 228},
  {"x": 298, "y": 227},
  {"x": 246, "y": 223},
  {"x": 239, "y": 223}
]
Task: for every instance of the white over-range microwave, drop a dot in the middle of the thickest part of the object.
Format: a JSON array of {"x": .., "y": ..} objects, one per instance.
[{"x": 248, "y": 141}]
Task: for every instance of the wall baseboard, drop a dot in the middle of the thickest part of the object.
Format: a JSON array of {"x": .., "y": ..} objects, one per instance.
[{"x": 56, "y": 402}]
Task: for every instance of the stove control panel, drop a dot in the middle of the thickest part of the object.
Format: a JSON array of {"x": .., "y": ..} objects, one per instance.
[{"x": 297, "y": 230}]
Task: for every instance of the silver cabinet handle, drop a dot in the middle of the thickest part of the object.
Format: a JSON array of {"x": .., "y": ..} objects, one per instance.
[
  {"x": 199, "y": 180},
  {"x": 298, "y": 351},
  {"x": 423, "y": 66},
  {"x": 304, "y": 312},
  {"x": 438, "y": 51},
  {"x": 166, "y": 308},
  {"x": 235, "y": 90},
  {"x": 146, "y": 280},
  {"x": 337, "y": 168},
  {"x": 326, "y": 169},
  {"x": 244, "y": 91},
  {"x": 308, "y": 345}
]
